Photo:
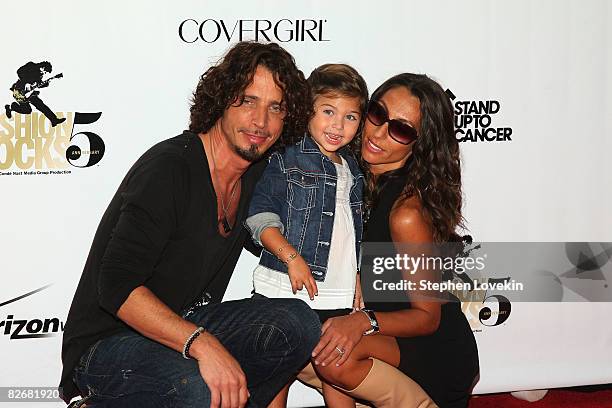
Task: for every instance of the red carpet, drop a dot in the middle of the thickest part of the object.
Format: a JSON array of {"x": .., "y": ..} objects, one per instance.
[{"x": 590, "y": 397}]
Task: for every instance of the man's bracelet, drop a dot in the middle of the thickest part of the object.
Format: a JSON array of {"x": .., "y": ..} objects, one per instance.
[{"x": 190, "y": 341}]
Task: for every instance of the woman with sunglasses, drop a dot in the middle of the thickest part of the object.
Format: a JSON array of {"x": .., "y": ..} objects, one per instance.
[{"x": 406, "y": 354}]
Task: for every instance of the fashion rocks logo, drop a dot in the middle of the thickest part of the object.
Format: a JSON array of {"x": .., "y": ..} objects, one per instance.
[
  {"x": 480, "y": 308},
  {"x": 475, "y": 121},
  {"x": 37, "y": 140}
]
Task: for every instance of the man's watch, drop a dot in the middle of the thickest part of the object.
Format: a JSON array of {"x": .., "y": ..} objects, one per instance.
[{"x": 373, "y": 322}]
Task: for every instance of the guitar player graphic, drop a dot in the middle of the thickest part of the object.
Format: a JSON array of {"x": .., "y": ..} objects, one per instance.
[{"x": 25, "y": 91}]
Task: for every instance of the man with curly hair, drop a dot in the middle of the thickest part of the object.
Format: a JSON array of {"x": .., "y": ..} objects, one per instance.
[{"x": 147, "y": 327}]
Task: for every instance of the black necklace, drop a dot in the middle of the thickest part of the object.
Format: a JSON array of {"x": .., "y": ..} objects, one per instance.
[{"x": 224, "y": 221}]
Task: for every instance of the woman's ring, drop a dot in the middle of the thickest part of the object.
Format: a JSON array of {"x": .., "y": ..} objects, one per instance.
[{"x": 340, "y": 351}]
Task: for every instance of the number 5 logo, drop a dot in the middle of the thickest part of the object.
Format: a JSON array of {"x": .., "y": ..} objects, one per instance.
[
  {"x": 488, "y": 316},
  {"x": 85, "y": 141}
]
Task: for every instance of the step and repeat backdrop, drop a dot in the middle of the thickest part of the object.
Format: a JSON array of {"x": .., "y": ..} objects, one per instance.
[{"x": 531, "y": 86}]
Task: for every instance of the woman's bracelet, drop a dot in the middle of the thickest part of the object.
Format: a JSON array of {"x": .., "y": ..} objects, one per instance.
[
  {"x": 190, "y": 341},
  {"x": 374, "y": 327}
]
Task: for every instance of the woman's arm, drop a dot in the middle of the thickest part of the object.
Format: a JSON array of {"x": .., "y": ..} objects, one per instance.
[{"x": 408, "y": 226}]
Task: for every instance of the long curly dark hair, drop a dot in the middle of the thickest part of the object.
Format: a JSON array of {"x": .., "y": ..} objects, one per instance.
[
  {"x": 224, "y": 83},
  {"x": 433, "y": 172}
]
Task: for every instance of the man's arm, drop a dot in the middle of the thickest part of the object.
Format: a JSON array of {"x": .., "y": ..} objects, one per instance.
[
  {"x": 152, "y": 203},
  {"x": 253, "y": 248},
  {"x": 145, "y": 313}
]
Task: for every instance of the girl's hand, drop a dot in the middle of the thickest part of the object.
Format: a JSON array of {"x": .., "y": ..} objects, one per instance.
[
  {"x": 300, "y": 276},
  {"x": 358, "y": 300}
]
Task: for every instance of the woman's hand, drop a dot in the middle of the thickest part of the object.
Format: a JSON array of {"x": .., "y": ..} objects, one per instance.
[
  {"x": 339, "y": 336},
  {"x": 300, "y": 276}
]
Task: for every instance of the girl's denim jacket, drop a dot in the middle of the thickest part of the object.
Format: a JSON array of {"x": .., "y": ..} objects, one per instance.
[{"x": 297, "y": 194}]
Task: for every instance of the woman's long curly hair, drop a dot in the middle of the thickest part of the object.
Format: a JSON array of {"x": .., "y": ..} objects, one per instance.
[
  {"x": 433, "y": 172},
  {"x": 224, "y": 84}
]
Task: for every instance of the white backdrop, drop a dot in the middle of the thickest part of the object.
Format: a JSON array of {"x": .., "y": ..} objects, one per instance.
[{"x": 546, "y": 63}]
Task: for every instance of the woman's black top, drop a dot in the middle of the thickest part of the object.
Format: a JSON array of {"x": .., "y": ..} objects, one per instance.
[{"x": 444, "y": 363}]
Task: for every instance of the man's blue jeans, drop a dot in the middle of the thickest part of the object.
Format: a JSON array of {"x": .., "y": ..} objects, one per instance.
[{"x": 270, "y": 338}]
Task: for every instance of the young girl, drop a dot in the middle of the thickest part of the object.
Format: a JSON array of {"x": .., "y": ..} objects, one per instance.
[{"x": 307, "y": 208}]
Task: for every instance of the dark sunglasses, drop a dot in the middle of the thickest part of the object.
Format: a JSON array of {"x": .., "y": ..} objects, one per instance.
[{"x": 401, "y": 132}]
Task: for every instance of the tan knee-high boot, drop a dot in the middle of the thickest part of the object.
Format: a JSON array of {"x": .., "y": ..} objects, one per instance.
[
  {"x": 309, "y": 377},
  {"x": 387, "y": 387}
]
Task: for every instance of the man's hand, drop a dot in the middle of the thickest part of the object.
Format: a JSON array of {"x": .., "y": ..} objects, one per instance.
[
  {"x": 221, "y": 372},
  {"x": 300, "y": 276},
  {"x": 144, "y": 312},
  {"x": 339, "y": 337}
]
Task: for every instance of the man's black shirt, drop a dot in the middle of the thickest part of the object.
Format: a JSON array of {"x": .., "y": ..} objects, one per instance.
[{"x": 160, "y": 230}]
